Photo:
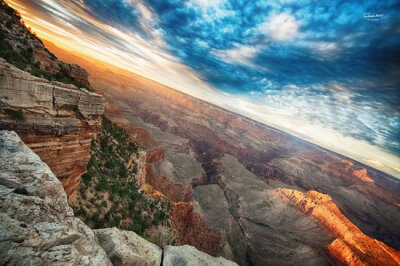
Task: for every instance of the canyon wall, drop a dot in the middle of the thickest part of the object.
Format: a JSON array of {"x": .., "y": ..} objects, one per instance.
[
  {"x": 229, "y": 197},
  {"x": 56, "y": 120},
  {"x": 38, "y": 226}
]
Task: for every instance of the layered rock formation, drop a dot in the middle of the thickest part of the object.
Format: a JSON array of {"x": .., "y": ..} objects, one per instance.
[
  {"x": 38, "y": 226},
  {"x": 233, "y": 200},
  {"x": 351, "y": 247},
  {"x": 56, "y": 120}
]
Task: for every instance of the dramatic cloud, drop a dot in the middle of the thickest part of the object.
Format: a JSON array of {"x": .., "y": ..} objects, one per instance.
[
  {"x": 319, "y": 70},
  {"x": 282, "y": 27}
]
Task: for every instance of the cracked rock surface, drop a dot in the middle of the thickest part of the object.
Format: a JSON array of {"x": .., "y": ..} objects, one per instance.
[
  {"x": 127, "y": 248},
  {"x": 37, "y": 225},
  {"x": 190, "y": 256}
]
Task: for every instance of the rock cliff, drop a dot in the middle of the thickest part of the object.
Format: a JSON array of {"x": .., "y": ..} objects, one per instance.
[
  {"x": 24, "y": 49},
  {"x": 38, "y": 226},
  {"x": 56, "y": 120}
]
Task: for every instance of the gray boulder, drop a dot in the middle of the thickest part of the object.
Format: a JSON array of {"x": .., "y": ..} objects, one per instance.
[
  {"x": 127, "y": 248},
  {"x": 37, "y": 225},
  {"x": 189, "y": 256}
]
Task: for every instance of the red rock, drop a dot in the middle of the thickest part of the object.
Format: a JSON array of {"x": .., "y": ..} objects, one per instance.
[
  {"x": 155, "y": 155},
  {"x": 352, "y": 246},
  {"x": 192, "y": 229},
  {"x": 363, "y": 175}
]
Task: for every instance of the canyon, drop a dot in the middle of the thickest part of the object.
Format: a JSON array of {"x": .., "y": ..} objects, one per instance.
[
  {"x": 239, "y": 190},
  {"x": 222, "y": 172},
  {"x": 38, "y": 226}
]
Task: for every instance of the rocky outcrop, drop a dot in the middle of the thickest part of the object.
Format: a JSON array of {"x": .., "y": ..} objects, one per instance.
[
  {"x": 34, "y": 53},
  {"x": 57, "y": 121},
  {"x": 37, "y": 226},
  {"x": 351, "y": 247},
  {"x": 188, "y": 255},
  {"x": 127, "y": 248}
]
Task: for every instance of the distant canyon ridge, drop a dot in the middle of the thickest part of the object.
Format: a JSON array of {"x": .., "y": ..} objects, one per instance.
[{"x": 246, "y": 191}]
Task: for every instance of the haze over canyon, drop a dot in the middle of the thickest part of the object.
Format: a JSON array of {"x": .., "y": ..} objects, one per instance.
[
  {"x": 326, "y": 73},
  {"x": 140, "y": 132}
]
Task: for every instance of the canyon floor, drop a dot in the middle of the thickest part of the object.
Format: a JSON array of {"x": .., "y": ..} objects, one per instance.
[{"x": 246, "y": 191}]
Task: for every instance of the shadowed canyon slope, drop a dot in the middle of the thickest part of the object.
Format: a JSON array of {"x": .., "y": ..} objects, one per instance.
[{"x": 224, "y": 173}]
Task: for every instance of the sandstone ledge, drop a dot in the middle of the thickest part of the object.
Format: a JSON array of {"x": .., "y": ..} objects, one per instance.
[{"x": 58, "y": 123}]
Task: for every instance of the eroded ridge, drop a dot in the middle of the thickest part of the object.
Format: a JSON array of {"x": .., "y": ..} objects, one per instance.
[{"x": 351, "y": 245}]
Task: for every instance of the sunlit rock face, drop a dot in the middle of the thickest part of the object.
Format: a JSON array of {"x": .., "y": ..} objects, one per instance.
[
  {"x": 243, "y": 163},
  {"x": 351, "y": 246},
  {"x": 57, "y": 121}
]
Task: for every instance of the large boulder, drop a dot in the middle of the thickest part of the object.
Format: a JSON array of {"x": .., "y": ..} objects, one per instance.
[
  {"x": 37, "y": 225},
  {"x": 190, "y": 256},
  {"x": 127, "y": 248}
]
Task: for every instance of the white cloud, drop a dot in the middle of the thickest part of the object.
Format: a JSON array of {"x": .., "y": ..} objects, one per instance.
[
  {"x": 281, "y": 27},
  {"x": 325, "y": 49},
  {"x": 206, "y": 4},
  {"x": 211, "y": 9},
  {"x": 241, "y": 54},
  {"x": 202, "y": 43},
  {"x": 337, "y": 86},
  {"x": 148, "y": 21}
]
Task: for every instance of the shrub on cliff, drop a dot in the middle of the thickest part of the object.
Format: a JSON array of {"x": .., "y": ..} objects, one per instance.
[
  {"x": 9, "y": 10},
  {"x": 64, "y": 77},
  {"x": 17, "y": 115},
  {"x": 10, "y": 55},
  {"x": 21, "y": 52},
  {"x": 110, "y": 184}
]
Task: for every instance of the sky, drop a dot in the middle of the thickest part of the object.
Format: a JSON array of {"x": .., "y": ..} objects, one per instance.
[{"x": 326, "y": 71}]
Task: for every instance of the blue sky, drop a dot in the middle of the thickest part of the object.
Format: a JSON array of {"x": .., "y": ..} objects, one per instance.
[{"x": 322, "y": 63}]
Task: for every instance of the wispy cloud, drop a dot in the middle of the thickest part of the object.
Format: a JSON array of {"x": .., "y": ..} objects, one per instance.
[{"x": 319, "y": 70}]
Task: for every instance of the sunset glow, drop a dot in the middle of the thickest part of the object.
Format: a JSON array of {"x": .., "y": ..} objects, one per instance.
[{"x": 332, "y": 85}]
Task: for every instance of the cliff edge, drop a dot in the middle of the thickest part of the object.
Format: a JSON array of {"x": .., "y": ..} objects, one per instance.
[
  {"x": 39, "y": 228},
  {"x": 56, "y": 120}
]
